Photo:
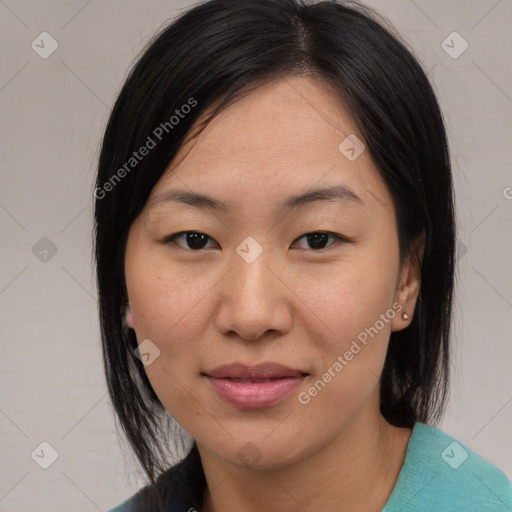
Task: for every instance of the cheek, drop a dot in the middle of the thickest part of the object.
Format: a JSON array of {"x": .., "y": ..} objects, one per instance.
[
  {"x": 172, "y": 321},
  {"x": 346, "y": 300},
  {"x": 350, "y": 313},
  {"x": 166, "y": 299},
  {"x": 170, "y": 309},
  {"x": 351, "y": 343},
  {"x": 167, "y": 319}
]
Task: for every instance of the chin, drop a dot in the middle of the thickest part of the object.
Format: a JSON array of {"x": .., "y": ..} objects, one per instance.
[{"x": 259, "y": 452}]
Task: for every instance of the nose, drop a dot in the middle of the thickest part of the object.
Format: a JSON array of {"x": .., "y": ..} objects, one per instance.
[{"x": 253, "y": 300}]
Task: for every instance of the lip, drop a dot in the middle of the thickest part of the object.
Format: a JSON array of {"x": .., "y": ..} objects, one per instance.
[{"x": 253, "y": 387}]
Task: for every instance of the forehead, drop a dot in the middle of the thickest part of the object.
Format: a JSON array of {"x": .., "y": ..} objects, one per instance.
[{"x": 278, "y": 140}]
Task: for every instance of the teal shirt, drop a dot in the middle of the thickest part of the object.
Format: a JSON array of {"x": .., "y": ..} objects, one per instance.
[{"x": 438, "y": 475}]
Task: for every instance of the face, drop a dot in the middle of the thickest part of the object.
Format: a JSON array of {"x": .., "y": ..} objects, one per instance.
[{"x": 266, "y": 279}]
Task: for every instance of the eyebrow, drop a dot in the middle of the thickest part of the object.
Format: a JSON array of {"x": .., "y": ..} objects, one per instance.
[{"x": 329, "y": 193}]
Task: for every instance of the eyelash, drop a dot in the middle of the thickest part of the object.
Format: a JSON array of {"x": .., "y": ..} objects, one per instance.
[{"x": 171, "y": 239}]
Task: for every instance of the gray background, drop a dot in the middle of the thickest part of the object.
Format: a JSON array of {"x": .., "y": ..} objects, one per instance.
[{"x": 53, "y": 112}]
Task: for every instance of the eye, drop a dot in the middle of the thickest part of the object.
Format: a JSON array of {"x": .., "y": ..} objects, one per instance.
[
  {"x": 194, "y": 240},
  {"x": 318, "y": 239}
]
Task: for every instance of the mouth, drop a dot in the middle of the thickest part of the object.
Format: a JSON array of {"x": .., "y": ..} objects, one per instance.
[
  {"x": 256, "y": 373},
  {"x": 253, "y": 387}
]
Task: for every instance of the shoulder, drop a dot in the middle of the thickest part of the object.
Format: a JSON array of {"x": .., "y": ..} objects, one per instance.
[
  {"x": 180, "y": 487},
  {"x": 439, "y": 473}
]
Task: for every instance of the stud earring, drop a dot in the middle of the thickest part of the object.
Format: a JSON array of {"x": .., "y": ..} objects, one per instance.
[{"x": 405, "y": 316}]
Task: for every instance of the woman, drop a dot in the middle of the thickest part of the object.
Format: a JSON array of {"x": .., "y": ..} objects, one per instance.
[{"x": 275, "y": 260}]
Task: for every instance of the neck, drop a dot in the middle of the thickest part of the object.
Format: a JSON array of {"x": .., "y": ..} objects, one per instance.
[{"x": 356, "y": 471}]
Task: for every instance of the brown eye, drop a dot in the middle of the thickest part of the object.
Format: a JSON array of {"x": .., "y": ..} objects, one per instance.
[
  {"x": 193, "y": 240},
  {"x": 318, "y": 239}
]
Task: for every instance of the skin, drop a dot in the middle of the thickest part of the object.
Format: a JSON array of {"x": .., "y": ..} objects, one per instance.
[{"x": 295, "y": 304}]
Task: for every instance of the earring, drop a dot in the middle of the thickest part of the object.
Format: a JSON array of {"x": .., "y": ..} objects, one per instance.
[
  {"x": 129, "y": 316},
  {"x": 405, "y": 316}
]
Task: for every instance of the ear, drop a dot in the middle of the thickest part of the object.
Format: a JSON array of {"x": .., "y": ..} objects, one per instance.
[{"x": 409, "y": 284}]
